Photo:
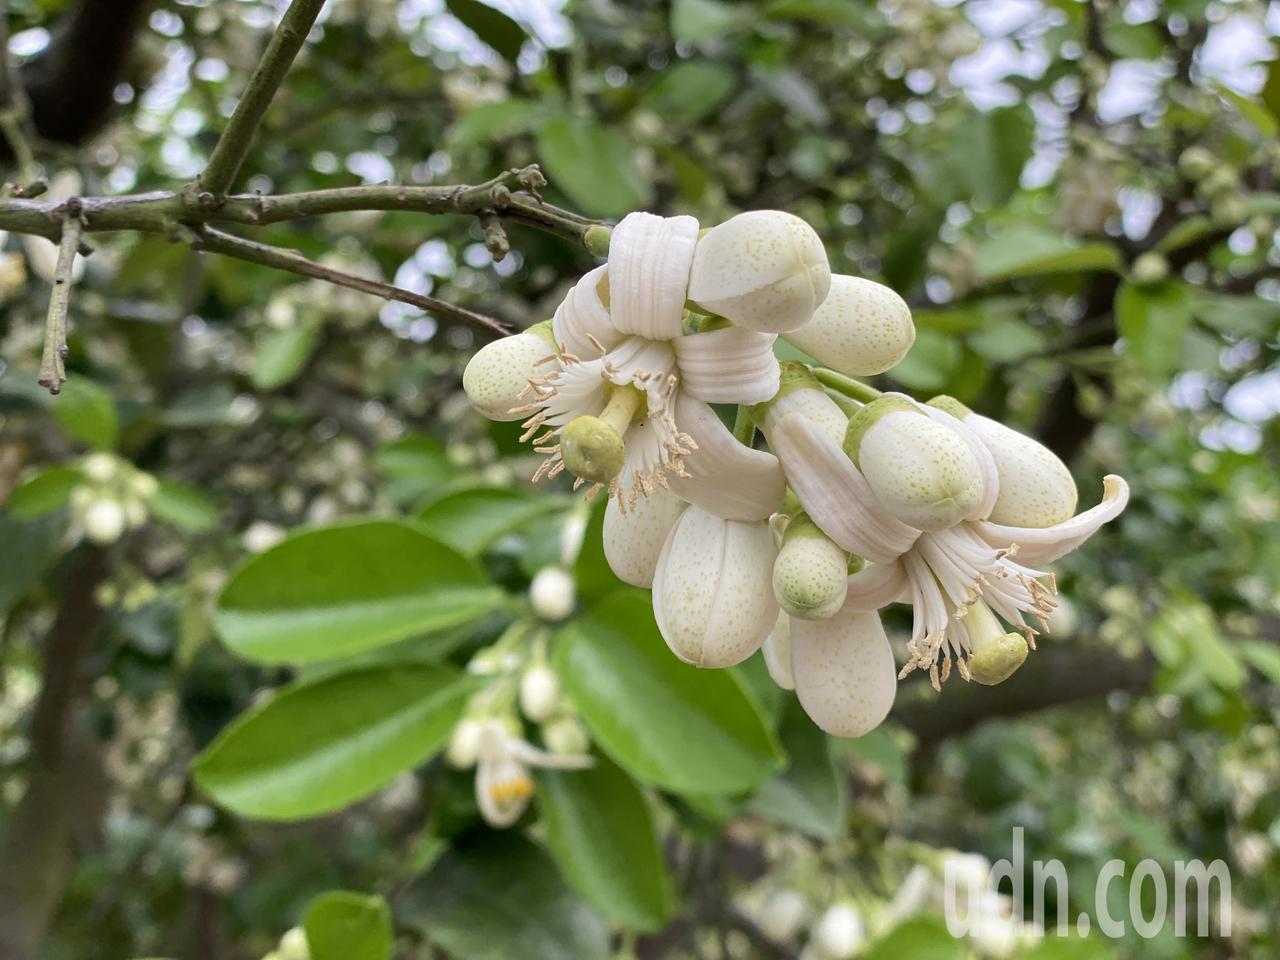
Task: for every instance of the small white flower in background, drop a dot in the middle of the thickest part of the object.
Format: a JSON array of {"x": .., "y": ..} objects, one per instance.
[
  {"x": 539, "y": 693},
  {"x": 261, "y": 536},
  {"x": 566, "y": 735},
  {"x": 100, "y": 467},
  {"x": 104, "y": 520},
  {"x": 294, "y": 945},
  {"x": 839, "y": 933},
  {"x": 503, "y": 783},
  {"x": 572, "y": 534},
  {"x": 464, "y": 744},
  {"x": 783, "y": 914},
  {"x": 552, "y": 593}
]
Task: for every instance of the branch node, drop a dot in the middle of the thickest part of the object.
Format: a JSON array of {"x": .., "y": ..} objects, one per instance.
[{"x": 495, "y": 235}]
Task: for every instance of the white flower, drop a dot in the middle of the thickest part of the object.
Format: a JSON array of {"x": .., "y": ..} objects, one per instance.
[
  {"x": 539, "y": 693},
  {"x": 503, "y": 783},
  {"x": 294, "y": 945},
  {"x": 104, "y": 521},
  {"x": 552, "y": 593},
  {"x": 764, "y": 270},
  {"x": 633, "y": 538},
  {"x": 839, "y": 933},
  {"x": 261, "y": 536},
  {"x": 783, "y": 913},
  {"x": 861, "y": 328},
  {"x": 844, "y": 672},
  {"x": 711, "y": 595},
  {"x": 464, "y": 744}
]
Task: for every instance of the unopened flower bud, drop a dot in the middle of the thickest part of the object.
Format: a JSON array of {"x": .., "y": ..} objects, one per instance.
[
  {"x": 1196, "y": 163},
  {"x": 811, "y": 574},
  {"x": 1036, "y": 488},
  {"x": 1151, "y": 267},
  {"x": 566, "y": 736},
  {"x": 861, "y": 328},
  {"x": 539, "y": 693},
  {"x": 294, "y": 946},
  {"x": 496, "y": 376},
  {"x": 100, "y": 467},
  {"x": 839, "y": 933},
  {"x": 800, "y": 392},
  {"x": 997, "y": 654},
  {"x": 464, "y": 744},
  {"x": 135, "y": 514},
  {"x": 764, "y": 270},
  {"x": 143, "y": 485},
  {"x": 104, "y": 521},
  {"x": 552, "y": 593},
  {"x": 923, "y": 473}
]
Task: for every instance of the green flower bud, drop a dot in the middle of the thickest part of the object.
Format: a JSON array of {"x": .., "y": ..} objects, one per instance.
[{"x": 810, "y": 574}]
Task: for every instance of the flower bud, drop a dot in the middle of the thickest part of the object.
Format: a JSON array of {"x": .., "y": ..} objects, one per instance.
[
  {"x": 501, "y": 370},
  {"x": 711, "y": 593},
  {"x": 552, "y": 593},
  {"x": 839, "y": 933},
  {"x": 566, "y": 736},
  {"x": 800, "y": 392},
  {"x": 294, "y": 946},
  {"x": 862, "y": 328},
  {"x": 464, "y": 744},
  {"x": 100, "y": 467},
  {"x": 1196, "y": 162},
  {"x": 1036, "y": 489},
  {"x": 104, "y": 521},
  {"x": 996, "y": 654},
  {"x": 143, "y": 485},
  {"x": 539, "y": 693},
  {"x": 764, "y": 270},
  {"x": 811, "y": 574},
  {"x": 633, "y": 540},
  {"x": 1149, "y": 268},
  {"x": 923, "y": 473},
  {"x": 783, "y": 913}
]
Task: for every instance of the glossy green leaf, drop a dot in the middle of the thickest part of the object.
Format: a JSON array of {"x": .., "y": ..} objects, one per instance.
[
  {"x": 44, "y": 492},
  {"x": 340, "y": 590},
  {"x": 471, "y": 520},
  {"x": 920, "y": 939},
  {"x": 1025, "y": 253},
  {"x": 496, "y": 896},
  {"x": 87, "y": 413},
  {"x": 280, "y": 355},
  {"x": 342, "y": 925},
  {"x": 491, "y": 25},
  {"x": 28, "y": 550},
  {"x": 1154, "y": 321},
  {"x": 810, "y": 794},
  {"x": 183, "y": 506},
  {"x": 981, "y": 159},
  {"x": 690, "y": 90},
  {"x": 930, "y": 362},
  {"x": 591, "y": 572},
  {"x": 602, "y": 834},
  {"x": 594, "y": 167},
  {"x": 319, "y": 746},
  {"x": 693, "y": 21},
  {"x": 665, "y": 722}
]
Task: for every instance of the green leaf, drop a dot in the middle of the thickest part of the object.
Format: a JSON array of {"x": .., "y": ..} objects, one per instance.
[
  {"x": 1186, "y": 232},
  {"x": 1004, "y": 341},
  {"x": 1258, "y": 114},
  {"x": 591, "y": 572},
  {"x": 930, "y": 362},
  {"x": 341, "y": 925},
  {"x": 922, "y": 939},
  {"x": 693, "y": 21},
  {"x": 690, "y": 90},
  {"x": 416, "y": 466},
  {"x": 665, "y": 722},
  {"x": 982, "y": 158},
  {"x": 1068, "y": 948},
  {"x": 810, "y": 794},
  {"x": 87, "y": 413},
  {"x": 496, "y": 896},
  {"x": 317, "y": 747},
  {"x": 1263, "y": 657},
  {"x": 280, "y": 355},
  {"x": 492, "y": 26},
  {"x": 340, "y": 590},
  {"x": 45, "y": 492},
  {"x": 29, "y": 551},
  {"x": 183, "y": 506},
  {"x": 490, "y": 122},
  {"x": 471, "y": 520},
  {"x": 1271, "y": 88},
  {"x": 1026, "y": 252},
  {"x": 601, "y": 832},
  {"x": 860, "y": 16},
  {"x": 594, "y": 167},
  {"x": 1154, "y": 321}
]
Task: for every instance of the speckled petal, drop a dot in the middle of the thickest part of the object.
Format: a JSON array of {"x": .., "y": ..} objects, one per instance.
[
  {"x": 777, "y": 653},
  {"x": 823, "y": 412},
  {"x": 725, "y": 477},
  {"x": 1036, "y": 488},
  {"x": 844, "y": 672},
  {"x": 633, "y": 540},
  {"x": 862, "y": 328},
  {"x": 728, "y": 366},
  {"x": 1040, "y": 545},
  {"x": 649, "y": 261},
  {"x": 981, "y": 453},
  {"x": 834, "y": 493},
  {"x": 581, "y": 323},
  {"x": 499, "y": 371},
  {"x": 711, "y": 591}
]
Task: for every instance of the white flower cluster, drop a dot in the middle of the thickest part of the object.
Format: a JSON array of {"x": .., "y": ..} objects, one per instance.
[
  {"x": 111, "y": 499},
  {"x": 926, "y": 504}
]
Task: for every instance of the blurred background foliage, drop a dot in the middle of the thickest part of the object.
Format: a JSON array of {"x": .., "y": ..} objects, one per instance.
[{"x": 1079, "y": 200}]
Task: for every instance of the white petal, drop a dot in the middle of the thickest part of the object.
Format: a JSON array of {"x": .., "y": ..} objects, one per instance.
[
  {"x": 844, "y": 672},
  {"x": 861, "y": 328},
  {"x": 877, "y": 586},
  {"x": 529, "y": 754},
  {"x": 1041, "y": 545},
  {"x": 725, "y": 477},
  {"x": 764, "y": 270},
  {"x": 731, "y": 365},
  {"x": 1036, "y": 488},
  {"x": 711, "y": 591},
  {"x": 649, "y": 261},
  {"x": 981, "y": 453},
  {"x": 496, "y": 377},
  {"x": 633, "y": 540},
  {"x": 777, "y": 653},
  {"x": 834, "y": 493},
  {"x": 581, "y": 323}
]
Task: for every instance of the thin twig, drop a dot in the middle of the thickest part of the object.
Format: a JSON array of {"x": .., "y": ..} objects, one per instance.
[
  {"x": 233, "y": 146},
  {"x": 53, "y": 373},
  {"x": 215, "y": 241}
]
